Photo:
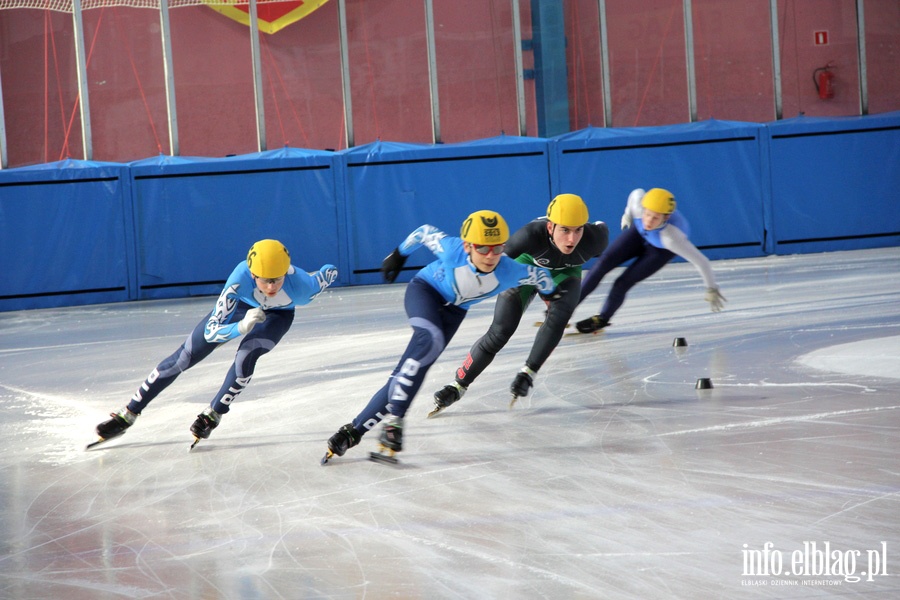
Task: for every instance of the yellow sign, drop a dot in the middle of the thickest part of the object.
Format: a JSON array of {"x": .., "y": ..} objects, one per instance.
[{"x": 271, "y": 16}]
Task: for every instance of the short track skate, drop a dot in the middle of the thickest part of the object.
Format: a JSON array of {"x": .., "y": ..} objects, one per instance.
[
  {"x": 384, "y": 455},
  {"x": 99, "y": 441}
]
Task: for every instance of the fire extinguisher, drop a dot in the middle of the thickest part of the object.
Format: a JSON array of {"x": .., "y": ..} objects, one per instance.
[{"x": 824, "y": 80}]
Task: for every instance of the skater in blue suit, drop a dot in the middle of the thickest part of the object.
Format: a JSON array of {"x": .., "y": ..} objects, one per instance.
[
  {"x": 468, "y": 269},
  {"x": 258, "y": 303}
]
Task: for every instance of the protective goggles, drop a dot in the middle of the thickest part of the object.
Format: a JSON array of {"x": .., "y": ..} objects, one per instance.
[
  {"x": 274, "y": 281},
  {"x": 495, "y": 250}
]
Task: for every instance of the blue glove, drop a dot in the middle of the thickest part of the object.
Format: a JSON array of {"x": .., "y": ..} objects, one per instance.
[{"x": 327, "y": 275}]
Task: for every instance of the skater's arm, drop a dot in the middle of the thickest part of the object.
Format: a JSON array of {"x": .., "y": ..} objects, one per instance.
[
  {"x": 426, "y": 235},
  {"x": 218, "y": 330},
  {"x": 633, "y": 208},
  {"x": 674, "y": 240},
  {"x": 538, "y": 277}
]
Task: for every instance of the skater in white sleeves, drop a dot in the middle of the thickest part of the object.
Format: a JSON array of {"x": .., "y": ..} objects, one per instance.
[
  {"x": 258, "y": 303},
  {"x": 653, "y": 234}
]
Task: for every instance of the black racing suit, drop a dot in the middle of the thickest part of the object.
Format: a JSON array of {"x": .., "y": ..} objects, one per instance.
[{"x": 532, "y": 244}]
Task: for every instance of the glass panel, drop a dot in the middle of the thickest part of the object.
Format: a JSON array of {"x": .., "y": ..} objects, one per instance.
[
  {"x": 816, "y": 34},
  {"x": 213, "y": 75},
  {"x": 882, "y": 20},
  {"x": 40, "y": 87},
  {"x": 301, "y": 67},
  {"x": 476, "y": 70},
  {"x": 583, "y": 58},
  {"x": 648, "y": 72},
  {"x": 733, "y": 60},
  {"x": 389, "y": 71},
  {"x": 126, "y": 84}
]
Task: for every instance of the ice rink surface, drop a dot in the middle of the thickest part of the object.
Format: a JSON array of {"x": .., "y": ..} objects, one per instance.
[{"x": 615, "y": 479}]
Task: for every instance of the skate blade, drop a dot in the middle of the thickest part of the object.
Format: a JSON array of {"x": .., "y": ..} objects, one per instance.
[
  {"x": 578, "y": 333},
  {"x": 196, "y": 441},
  {"x": 96, "y": 443},
  {"x": 540, "y": 323},
  {"x": 512, "y": 401},
  {"x": 436, "y": 411},
  {"x": 385, "y": 455},
  {"x": 328, "y": 455}
]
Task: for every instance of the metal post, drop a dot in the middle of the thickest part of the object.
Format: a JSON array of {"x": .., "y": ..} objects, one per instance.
[
  {"x": 81, "y": 65},
  {"x": 689, "y": 55},
  {"x": 520, "y": 70},
  {"x": 257, "y": 79},
  {"x": 604, "y": 65},
  {"x": 166, "y": 35},
  {"x": 432, "y": 73},
  {"x": 4, "y": 162},
  {"x": 861, "y": 53},
  {"x": 345, "y": 71},
  {"x": 776, "y": 57}
]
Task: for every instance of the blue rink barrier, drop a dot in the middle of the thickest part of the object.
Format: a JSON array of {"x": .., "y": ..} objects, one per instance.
[
  {"x": 82, "y": 232},
  {"x": 835, "y": 183},
  {"x": 713, "y": 168},
  {"x": 195, "y": 219},
  {"x": 393, "y": 188},
  {"x": 63, "y": 230}
]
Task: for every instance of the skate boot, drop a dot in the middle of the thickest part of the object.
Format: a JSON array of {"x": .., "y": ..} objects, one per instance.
[
  {"x": 345, "y": 438},
  {"x": 205, "y": 423},
  {"x": 390, "y": 441},
  {"x": 592, "y": 324},
  {"x": 115, "y": 426},
  {"x": 446, "y": 396},
  {"x": 521, "y": 385}
]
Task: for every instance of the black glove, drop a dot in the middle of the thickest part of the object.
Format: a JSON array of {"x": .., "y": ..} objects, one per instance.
[{"x": 391, "y": 265}]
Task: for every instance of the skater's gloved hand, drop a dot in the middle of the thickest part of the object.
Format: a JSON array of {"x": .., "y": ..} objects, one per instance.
[
  {"x": 391, "y": 265},
  {"x": 327, "y": 275},
  {"x": 715, "y": 298},
  {"x": 626, "y": 220},
  {"x": 253, "y": 316}
]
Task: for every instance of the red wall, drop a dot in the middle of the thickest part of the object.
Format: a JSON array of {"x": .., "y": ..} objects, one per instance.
[{"x": 389, "y": 73}]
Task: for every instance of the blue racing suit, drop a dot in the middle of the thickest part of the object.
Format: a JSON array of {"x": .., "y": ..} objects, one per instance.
[
  {"x": 436, "y": 302},
  {"x": 239, "y": 295}
]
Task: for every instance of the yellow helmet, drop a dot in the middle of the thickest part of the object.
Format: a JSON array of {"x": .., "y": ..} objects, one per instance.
[
  {"x": 268, "y": 259},
  {"x": 484, "y": 228},
  {"x": 568, "y": 210},
  {"x": 659, "y": 200}
]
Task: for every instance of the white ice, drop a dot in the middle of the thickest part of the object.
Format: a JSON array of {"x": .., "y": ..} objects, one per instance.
[{"x": 615, "y": 479}]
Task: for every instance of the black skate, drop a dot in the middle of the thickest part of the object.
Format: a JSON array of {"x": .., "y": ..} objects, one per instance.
[
  {"x": 390, "y": 442},
  {"x": 521, "y": 385},
  {"x": 114, "y": 427},
  {"x": 592, "y": 324},
  {"x": 345, "y": 438},
  {"x": 203, "y": 426},
  {"x": 446, "y": 396}
]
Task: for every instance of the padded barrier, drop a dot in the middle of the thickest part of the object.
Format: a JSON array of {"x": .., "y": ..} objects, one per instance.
[
  {"x": 393, "y": 188},
  {"x": 713, "y": 168},
  {"x": 196, "y": 218},
  {"x": 78, "y": 232},
  {"x": 64, "y": 230},
  {"x": 835, "y": 183}
]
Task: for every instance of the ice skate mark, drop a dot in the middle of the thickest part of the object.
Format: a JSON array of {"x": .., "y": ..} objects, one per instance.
[
  {"x": 779, "y": 421},
  {"x": 857, "y": 505},
  {"x": 864, "y": 388}
]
